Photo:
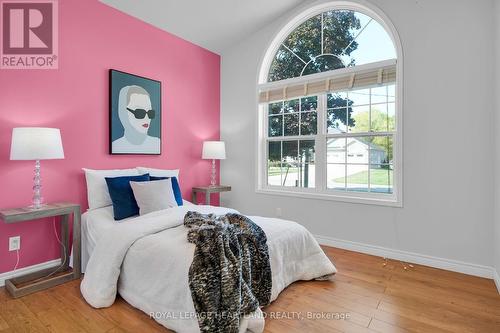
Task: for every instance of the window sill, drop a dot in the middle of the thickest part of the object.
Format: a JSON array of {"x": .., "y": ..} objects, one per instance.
[{"x": 359, "y": 198}]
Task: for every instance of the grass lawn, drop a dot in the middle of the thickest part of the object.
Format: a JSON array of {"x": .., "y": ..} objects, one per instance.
[
  {"x": 377, "y": 177},
  {"x": 275, "y": 171}
]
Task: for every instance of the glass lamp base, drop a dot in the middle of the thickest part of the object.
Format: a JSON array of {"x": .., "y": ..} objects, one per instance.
[
  {"x": 37, "y": 201},
  {"x": 213, "y": 175}
]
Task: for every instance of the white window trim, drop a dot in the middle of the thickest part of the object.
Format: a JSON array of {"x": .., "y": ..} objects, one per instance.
[{"x": 396, "y": 198}]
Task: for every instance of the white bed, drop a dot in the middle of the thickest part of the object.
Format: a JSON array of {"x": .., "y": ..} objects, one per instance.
[
  {"x": 95, "y": 223},
  {"x": 151, "y": 271}
]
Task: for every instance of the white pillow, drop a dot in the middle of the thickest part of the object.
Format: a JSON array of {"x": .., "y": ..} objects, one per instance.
[
  {"x": 158, "y": 172},
  {"x": 153, "y": 196},
  {"x": 97, "y": 190}
]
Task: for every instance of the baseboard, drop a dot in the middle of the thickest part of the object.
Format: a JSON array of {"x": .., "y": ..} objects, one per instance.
[
  {"x": 496, "y": 278},
  {"x": 416, "y": 258},
  {"x": 27, "y": 270}
]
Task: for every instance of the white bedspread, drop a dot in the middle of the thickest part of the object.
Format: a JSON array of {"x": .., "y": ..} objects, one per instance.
[{"x": 147, "y": 260}]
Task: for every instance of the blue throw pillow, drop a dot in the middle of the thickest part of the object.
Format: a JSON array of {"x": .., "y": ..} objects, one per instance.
[
  {"x": 122, "y": 196},
  {"x": 175, "y": 188}
]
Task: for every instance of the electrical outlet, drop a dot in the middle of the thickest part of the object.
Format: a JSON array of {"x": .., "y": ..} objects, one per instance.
[
  {"x": 278, "y": 212},
  {"x": 14, "y": 243}
]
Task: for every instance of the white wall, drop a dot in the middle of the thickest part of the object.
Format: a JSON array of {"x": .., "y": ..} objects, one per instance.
[
  {"x": 448, "y": 137},
  {"x": 496, "y": 127}
]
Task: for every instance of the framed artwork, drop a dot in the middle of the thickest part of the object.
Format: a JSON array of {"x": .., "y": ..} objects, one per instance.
[{"x": 135, "y": 114}]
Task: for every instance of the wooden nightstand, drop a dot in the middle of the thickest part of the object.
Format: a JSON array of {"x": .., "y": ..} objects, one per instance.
[
  {"x": 208, "y": 190},
  {"x": 36, "y": 281}
]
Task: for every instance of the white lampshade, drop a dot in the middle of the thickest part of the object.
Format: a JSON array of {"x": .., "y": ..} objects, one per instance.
[
  {"x": 214, "y": 150},
  {"x": 36, "y": 143}
]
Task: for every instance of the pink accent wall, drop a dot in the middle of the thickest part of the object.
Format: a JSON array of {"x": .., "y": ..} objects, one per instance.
[{"x": 92, "y": 39}]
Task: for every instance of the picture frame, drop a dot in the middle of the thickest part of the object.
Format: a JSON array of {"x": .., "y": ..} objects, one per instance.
[{"x": 135, "y": 114}]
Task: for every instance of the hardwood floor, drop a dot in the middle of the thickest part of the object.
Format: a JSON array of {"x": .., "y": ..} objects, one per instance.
[{"x": 375, "y": 299}]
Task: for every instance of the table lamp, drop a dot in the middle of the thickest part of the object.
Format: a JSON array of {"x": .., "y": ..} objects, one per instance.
[
  {"x": 214, "y": 150},
  {"x": 35, "y": 144}
]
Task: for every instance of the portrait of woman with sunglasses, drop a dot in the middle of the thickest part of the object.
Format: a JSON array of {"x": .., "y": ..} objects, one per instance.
[{"x": 136, "y": 114}]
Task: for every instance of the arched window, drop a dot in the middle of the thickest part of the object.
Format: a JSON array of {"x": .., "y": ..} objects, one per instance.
[{"x": 330, "y": 108}]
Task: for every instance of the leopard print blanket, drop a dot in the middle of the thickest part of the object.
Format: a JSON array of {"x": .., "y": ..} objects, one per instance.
[{"x": 230, "y": 275}]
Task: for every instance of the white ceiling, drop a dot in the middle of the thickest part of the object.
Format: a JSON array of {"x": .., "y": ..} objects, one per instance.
[{"x": 212, "y": 24}]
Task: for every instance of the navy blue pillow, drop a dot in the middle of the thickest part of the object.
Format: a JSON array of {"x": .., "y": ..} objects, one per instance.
[
  {"x": 122, "y": 196},
  {"x": 175, "y": 188}
]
